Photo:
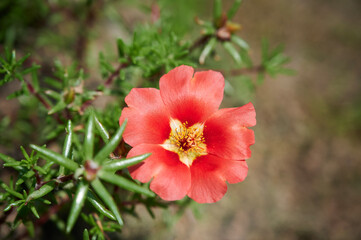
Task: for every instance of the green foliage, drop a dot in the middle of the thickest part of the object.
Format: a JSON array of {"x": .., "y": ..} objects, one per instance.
[
  {"x": 76, "y": 165},
  {"x": 47, "y": 181},
  {"x": 273, "y": 61}
]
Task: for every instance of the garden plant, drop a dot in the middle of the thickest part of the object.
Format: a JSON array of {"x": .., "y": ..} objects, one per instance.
[{"x": 101, "y": 129}]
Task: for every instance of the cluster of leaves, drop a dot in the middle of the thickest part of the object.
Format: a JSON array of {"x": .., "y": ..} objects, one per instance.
[
  {"x": 76, "y": 174},
  {"x": 90, "y": 174}
]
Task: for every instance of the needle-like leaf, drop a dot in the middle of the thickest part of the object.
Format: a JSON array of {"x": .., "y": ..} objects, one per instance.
[
  {"x": 240, "y": 42},
  {"x": 68, "y": 140},
  {"x": 233, "y": 10},
  {"x": 116, "y": 165},
  {"x": 111, "y": 145},
  {"x": 107, "y": 199},
  {"x": 89, "y": 138},
  {"x": 99, "y": 206},
  {"x": 55, "y": 157},
  {"x": 45, "y": 189},
  {"x": 101, "y": 129},
  {"x": 67, "y": 145},
  {"x": 207, "y": 49},
  {"x": 77, "y": 204},
  {"x": 233, "y": 52},
  {"x": 124, "y": 183}
]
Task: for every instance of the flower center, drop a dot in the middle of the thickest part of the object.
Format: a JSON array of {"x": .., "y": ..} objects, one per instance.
[{"x": 187, "y": 142}]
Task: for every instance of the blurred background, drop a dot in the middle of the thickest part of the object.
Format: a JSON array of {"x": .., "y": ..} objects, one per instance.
[{"x": 304, "y": 179}]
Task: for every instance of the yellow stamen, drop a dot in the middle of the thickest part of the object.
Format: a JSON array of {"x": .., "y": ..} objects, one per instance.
[{"x": 187, "y": 142}]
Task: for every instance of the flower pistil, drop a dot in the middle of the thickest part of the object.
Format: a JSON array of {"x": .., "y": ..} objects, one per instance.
[{"x": 187, "y": 142}]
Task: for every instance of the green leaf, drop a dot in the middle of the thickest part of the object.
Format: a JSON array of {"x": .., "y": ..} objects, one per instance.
[
  {"x": 34, "y": 77},
  {"x": 276, "y": 51},
  {"x": 67, "y": 144},
  {"x": 105, "y": 67},
  {"x": 240, "y": 42},
  {"x": 10, "y": 160},
  {"x": 122, "y": 48},
  {"x": 233, "y": 52},
  {"x": 15, "y": 94},
  {"x": 246, "y": 59},
  {"x": 278, "y": 60},
  {"x": 53, "y": 82},
  {"x": 30, "y": 227},
  {"x": 13, "y": 204},
  {"x": 53, "y": 94},
  {"x": 11, "y": 191},
  {"x": 124, "y": 183},
  {"x": 30, "y": 69},
  {"x": 12, "y": 164},
  {"x": 77, "y": 204},
  {"x": 34, "y": 211},
  {"x": 45, "y": 189},
  {"x": 40, "y": 169},
  {"x": 234, "y": 8},
  {"x": 107, "y": 199},
  {"x": 116, "y": 165},
  {"x": 21, "y": 60},
  {"x": 101, "y": 129},
  {"x": 111, "y": 145},
  {"x": 151, "y": 213},
  {"x": 25, "y": 153},
  {"x": 58, "y": 107},
  {"x": 19, "y": 181},
  {"x": 207, "y": 49},
  {"x": 56, "y": 157},
  {"x": 86, "y": 234},
  {"x": 89, "y": 138},
  {"x": 217, "y": 10},
  {"x": 98, "y": 206}
]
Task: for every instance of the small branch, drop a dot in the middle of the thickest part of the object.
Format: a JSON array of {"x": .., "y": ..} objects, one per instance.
[
  {"x": 107, "y": 84},
  {"x": 37, "y": 95},
  {"x": 65, "y": 178},
  {"x": 57, "y": 180},
  {"x": 39, "y": 182},
  {"x": 199, "y": 42},
  {"x": 251, "y": 70},
  {"x": 100, "y": 225},
  {"x": 112, "y": 76},
  {"x": 82, "y": 41},
  {"x": 86, "y": 104},
  {"x": 41, "y": 99}
]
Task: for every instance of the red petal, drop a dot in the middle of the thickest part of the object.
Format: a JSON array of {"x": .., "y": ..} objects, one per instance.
[
  {"x": 209, "y": 174},
  {"x": 226, "y": 133},
  {"x": 235, "y": 171},
  {"x": 191, "y": 99},
  {"x": 208, "y": 184},
  {"x": 171, "y": 178},
  {"x": 148, "y": 120}
]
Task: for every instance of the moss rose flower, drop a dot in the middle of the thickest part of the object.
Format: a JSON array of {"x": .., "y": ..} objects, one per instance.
[{"x": 195, "y": 146}]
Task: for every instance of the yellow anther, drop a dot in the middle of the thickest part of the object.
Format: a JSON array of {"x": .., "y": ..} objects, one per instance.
[{"x": 187, "y": 142}]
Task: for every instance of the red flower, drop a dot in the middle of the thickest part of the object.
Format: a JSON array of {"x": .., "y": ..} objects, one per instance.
[{"x": 195, "y": 146}]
